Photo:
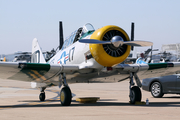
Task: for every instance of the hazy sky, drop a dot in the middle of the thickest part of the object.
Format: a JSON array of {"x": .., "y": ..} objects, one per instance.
[{"x": 22, "y": 20}]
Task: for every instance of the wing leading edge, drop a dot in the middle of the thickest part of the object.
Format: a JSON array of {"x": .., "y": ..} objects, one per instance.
[{"x": 149, "y": 70}]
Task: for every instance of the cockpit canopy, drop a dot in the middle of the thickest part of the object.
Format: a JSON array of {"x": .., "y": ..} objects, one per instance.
[
  {"x": 87, "y": 28},
  {"x": 78, "y": 34}
]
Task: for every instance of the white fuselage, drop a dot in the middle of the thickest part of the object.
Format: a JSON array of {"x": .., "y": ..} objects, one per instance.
[{"x": 73, "y": 54}]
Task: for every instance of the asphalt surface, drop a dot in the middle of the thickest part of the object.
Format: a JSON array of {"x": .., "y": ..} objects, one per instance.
[{"x": 18, "y": 101}]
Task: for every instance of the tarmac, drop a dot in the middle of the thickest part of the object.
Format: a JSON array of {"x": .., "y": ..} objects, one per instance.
[{"x": 18, "y": 101}]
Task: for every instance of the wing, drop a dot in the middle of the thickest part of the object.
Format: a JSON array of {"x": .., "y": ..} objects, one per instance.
[
  {"x": 149, "y": 70},
  {"x": 39, "y": 72}
]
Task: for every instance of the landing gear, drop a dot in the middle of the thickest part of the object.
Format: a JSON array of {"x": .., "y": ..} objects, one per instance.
[
  {"x": 42, "y": 95},
  {"x": 135, "y": 92},
  {"x": 65, "y": 93},
  {"x": 65, "y": 96},
  {"x": 135, "y": 95}
]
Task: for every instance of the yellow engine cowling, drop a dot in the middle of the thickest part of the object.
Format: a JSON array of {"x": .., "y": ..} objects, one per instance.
[{"x": 107, "y": 55}]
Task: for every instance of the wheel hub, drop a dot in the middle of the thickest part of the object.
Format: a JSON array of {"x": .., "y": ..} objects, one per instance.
[
  {"x": 156, "y": 89},
  {"x": 62, "y": 96}
]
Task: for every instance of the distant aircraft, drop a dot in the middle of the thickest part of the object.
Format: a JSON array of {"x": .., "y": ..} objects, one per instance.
[
  {"x": 3, "y": 59},
  {"x": 22, "y": 57},
  {"x": 17, "y": 57},
  {"x": 86, "y": 56}
]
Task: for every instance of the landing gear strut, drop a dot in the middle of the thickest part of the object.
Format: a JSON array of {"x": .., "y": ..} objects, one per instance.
[
  {"x": 42, "y": 95},
  {"x": 135, "y": 92},
  {"x": 65, "y": 93}
]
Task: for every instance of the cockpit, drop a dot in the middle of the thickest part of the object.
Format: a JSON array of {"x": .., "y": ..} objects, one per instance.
[
  {"x": 87, "y": 28},
  {"x": 82, "y": 32}
]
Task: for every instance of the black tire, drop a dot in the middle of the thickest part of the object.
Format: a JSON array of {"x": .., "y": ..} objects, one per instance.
[
  {"x": 42, "y": 96},
  {"x": 156, "y": 90},
  {"x": 136, "y": 95},
  {"x": 65, "y": 96}
]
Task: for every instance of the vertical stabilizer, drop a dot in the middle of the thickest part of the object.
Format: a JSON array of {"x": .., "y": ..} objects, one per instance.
[
  {"x": 4, "y": 60},
  {"x": 37, "y": 55}
]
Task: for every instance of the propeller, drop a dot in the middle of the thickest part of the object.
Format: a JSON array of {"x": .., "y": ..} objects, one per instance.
[
  {"x": 61, "y": 39},
  {"x": 132, "y": 34},
  {"x": 117, "y": 41}
]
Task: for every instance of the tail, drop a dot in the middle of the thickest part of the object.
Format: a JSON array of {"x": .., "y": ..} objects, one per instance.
[
  {"x": 37, "y": 55},
  {"x": 4, "y": 60}
]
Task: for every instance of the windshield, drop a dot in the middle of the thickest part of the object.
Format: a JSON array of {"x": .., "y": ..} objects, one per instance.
[{"x": 87, "y": 28}]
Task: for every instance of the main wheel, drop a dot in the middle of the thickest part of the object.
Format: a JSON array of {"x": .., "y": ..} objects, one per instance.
[
  {"x": 156, "y": 90},
  {"x": 42, "y": 96},
  {"x": 65, "y": 96},
  {"x": 135, "y": 95}
]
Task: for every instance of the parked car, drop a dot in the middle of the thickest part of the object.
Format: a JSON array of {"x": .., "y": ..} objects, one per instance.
[{"x": 158, "y": 86}]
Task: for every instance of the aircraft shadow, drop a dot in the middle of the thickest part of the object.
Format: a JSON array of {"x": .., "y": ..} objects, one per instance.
[
  {"x": 57, "y": 100},
  {"x": 39, "y": 101},
  {"x": 103, "y": 102}
]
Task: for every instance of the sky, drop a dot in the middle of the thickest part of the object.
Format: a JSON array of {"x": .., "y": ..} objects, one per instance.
[{"x": 21, "y": 21}]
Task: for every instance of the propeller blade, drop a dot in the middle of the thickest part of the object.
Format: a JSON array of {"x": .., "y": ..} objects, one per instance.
[
  {"x": 93, "y": 41},
  {"x": 138, "y": 43},
  {"x": 132, "y": 34},
  {"x": 131, "y": 43},
  {"x": 61, "y": 39}
]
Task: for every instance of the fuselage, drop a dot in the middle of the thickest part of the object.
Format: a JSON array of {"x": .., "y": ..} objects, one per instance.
[{"x": 73, "y": 54}]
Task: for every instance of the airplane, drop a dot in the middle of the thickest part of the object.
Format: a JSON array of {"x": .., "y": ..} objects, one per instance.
[
  {"x": 86, "y": 56},
  {"x": 3, "y": 59}
]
